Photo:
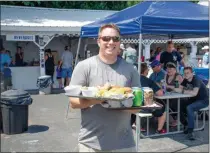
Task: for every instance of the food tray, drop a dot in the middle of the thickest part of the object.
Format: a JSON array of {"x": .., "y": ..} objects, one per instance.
[
  {"x": 96, "y": 98},
  {"x": 159, "y": 106}
]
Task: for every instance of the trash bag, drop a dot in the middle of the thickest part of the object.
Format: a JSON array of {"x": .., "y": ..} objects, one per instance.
[
  {"x": 44, "y": 82},
  {"x": 16, "y": 97}
]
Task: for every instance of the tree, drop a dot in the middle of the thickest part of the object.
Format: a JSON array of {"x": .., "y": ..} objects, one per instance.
[{"x": 97, "y": 5}]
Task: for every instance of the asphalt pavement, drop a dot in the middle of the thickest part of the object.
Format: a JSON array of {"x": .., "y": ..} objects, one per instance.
[{"x": 51, "y": 130}]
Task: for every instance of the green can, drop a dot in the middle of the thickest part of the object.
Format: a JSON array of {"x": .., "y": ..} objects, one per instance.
[{"x": 138, "y": 97}]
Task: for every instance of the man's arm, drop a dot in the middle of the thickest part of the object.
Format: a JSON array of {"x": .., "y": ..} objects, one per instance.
[
  {"x": 193, "y": 92},
  {"x": 183, "y": 63},
  {"x": 77, "y": 103}
]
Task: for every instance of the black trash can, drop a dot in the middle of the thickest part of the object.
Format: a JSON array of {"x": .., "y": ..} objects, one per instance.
[
  {"x": 14, "y": 109},
  {"x": 44, "y": 84}
]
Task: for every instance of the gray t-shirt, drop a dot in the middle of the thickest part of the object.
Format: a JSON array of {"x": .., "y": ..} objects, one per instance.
[
  {"x": 130, "y": 55},
  {"x": 101, "y": 128},
  {"x": 67, "y": 58}
]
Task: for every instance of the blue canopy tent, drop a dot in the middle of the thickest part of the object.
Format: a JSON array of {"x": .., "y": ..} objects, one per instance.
[
  {"x": 176, "y": 19},
  {"x": 156, "y": 18}
]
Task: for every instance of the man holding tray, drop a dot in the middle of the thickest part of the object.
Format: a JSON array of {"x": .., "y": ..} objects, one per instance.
[{"x": 103, "y": 129}]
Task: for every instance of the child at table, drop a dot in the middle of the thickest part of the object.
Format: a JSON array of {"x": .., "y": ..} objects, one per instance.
[{"x": 58, "y": 74}]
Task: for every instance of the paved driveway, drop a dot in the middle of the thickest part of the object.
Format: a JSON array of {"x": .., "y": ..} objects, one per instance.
[{"x": 50, "y": 131}]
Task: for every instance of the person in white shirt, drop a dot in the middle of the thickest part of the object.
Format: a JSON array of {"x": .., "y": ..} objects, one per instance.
[
  {"x": 205, "y": 60},
  {"x": 67, "y": 62},
  {"x": 130, "y": 54}
]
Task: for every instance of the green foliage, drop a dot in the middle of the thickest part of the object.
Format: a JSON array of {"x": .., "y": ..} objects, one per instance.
[{"x": 97, "y": 5}]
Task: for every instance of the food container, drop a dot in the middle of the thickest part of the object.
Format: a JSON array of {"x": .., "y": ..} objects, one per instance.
[
  {"x": 74, "y": 90},
  {"x": 128, "y": 102},
  {"x": 114, "y": 104},
  {"x": 148, "y": 96},
  {"x": 89, "y": 91}
]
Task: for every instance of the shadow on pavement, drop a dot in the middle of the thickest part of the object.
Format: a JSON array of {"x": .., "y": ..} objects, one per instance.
[{"x": 37, "y": 128}]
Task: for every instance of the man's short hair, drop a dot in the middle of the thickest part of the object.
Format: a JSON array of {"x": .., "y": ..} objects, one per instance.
[
  {"x": 109, "y": 25},
  {"x": 144, "y": 67},
  {"x": 66, "y": 47},
  {"x": 188, "y": 68},
  {"x": 170, "y": 42}
]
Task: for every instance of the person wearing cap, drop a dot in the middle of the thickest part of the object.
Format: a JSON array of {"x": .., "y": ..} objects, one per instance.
[
  {"x": 171, "y": 55},
  {"x": 205, "y": 60},
  {"x": 158, "y": 73}
]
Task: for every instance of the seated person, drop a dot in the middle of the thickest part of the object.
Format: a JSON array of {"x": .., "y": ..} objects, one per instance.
[
  {"x": 171, "y": 77},
  {"x": 195, "y": 87},
  {"x": 158, "y": 73},
  {"x": 146, "y": 82}
]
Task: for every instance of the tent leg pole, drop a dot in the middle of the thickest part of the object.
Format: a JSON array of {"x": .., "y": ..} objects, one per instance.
[
  {"x": 140, "y": 48},
  {"x": 78, "y": 48}
]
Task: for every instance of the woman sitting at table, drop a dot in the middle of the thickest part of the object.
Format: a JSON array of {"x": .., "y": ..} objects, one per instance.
[{"x": 172, "y": 79}]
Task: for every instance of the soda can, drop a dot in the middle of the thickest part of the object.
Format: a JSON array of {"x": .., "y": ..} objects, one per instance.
[{"x": 138, "y": 97}]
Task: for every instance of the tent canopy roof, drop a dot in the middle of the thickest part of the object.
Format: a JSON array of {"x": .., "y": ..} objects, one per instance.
[
  {"x": 19, "y": 18},
  {"x": 158, "y": 17}
]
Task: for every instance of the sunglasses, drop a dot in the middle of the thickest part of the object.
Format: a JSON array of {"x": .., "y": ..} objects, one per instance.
[{"x": 108, "y": 38}]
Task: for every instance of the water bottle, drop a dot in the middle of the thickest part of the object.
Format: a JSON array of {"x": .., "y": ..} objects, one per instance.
[{"x": 163, "y": 82}]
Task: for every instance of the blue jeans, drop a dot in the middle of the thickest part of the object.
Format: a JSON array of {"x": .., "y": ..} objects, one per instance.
[
  {"x": 195, "y": 106},
  {"x": 189, "y": 108}
]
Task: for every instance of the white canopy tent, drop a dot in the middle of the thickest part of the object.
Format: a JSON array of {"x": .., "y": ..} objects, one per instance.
[
  {"x": 36, "y": 20},
  {"x": 40, "y": 26},
  {"x": 43, "y": 24}
]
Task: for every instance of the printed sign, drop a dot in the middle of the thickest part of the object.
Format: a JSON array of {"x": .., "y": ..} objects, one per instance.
[{"x": 20, "y": 37}]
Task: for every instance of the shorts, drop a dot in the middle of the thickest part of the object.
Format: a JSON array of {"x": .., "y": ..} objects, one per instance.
[
  {"x": 58, "y": 77},
  {"x": 7, "y": 82},
  {"x": 66, "y": 73},
  {"x": 159, "y": 112}
]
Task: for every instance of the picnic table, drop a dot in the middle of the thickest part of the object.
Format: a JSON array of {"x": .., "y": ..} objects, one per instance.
[
  {"x": 172, "y": 95},
  {"x": 167, "y": 96}
]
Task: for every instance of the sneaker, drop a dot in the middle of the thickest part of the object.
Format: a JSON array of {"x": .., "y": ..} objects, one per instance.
[
  {"x": 134, "y": 128},
  {"x": 185, "y": 130},
  {"x": 191, "y": 136},
  {"x": 161, "y": 131}
]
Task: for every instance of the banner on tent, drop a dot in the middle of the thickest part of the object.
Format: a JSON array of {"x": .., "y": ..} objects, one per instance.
[{"x": 20, "y": 37}]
